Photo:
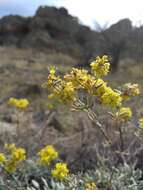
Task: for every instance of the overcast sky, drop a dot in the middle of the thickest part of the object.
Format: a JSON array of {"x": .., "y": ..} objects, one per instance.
[{"x": 88, "y": 11}]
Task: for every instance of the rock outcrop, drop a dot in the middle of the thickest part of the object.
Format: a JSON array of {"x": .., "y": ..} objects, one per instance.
[{"x": 54, "y": 29}]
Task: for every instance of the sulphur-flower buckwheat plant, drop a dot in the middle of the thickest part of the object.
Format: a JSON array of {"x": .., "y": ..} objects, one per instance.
[{"x": 82, "y": 90}]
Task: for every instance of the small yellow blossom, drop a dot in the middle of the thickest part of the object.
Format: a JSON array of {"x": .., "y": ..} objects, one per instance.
[
  {"x": 19, "y": 103},
  {"x": 18, "y": 155},
  {"x": 64, "y": 92},
  {"x": 129, "y": 90},
  {"x": 81, "y": 79},
  {"x": 52, "y": 79},
  {"x": 47, "y": 154},
  {"x": 78, "y": 77},
  {"x": 100, "y": 66},
  {"x": 60, "y": 171},
  {"x": 111, "y": 98},
  {"x": 90, "y": 186},
  {"x": 141, "y": 122},
  {"x": 50, "y": 106},
  {"x": 22, "y": 103},
  {"x": 2, "y": 158},
  {"x": 10, "y": 147},
  {"x": 52, "y": 71},
  {"x": 99, "y": 87},
  {"x": 135, "y": 91},
  {"x": 10, "y": 166},
  {"x": 124, "y": 114},
  {"x": 12, "y": 101}
]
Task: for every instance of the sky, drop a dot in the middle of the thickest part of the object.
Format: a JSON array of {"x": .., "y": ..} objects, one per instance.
[{"x": 103, "y": 12}]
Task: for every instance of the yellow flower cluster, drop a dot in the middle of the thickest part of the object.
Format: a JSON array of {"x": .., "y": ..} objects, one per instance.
[
  {"x": 100, "y": 66},
  {"x": 47, "y": 154},
  {"x": 112, "y": 98},
  {"x": 16, "y": 156},
  {"x": 129, "y": 90},
  {"x": 100, "y": 88},
  {"x": 52, "y": 79},
  {"x": 60, "y": 89},
  {"x": 60, "y": 171},
  {"x": 66, "y": 90},
  {"x": 18, "y": 103},
  {"x": 80, "y": 78},
  {"x": 124, "y": 114},
  {"x": 90, "y": 186}
]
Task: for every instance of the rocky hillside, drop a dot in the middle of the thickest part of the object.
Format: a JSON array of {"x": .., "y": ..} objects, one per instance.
[
  {"x": 51, "y": 29},
  {"x": 55, "y": 30}
]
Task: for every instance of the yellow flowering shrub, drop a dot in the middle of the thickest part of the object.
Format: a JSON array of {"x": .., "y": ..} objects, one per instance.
[
  {"x": 47, "y": 154},
  {"x": 60, "y": 171},
  {"x": 82, "y": 89}
]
